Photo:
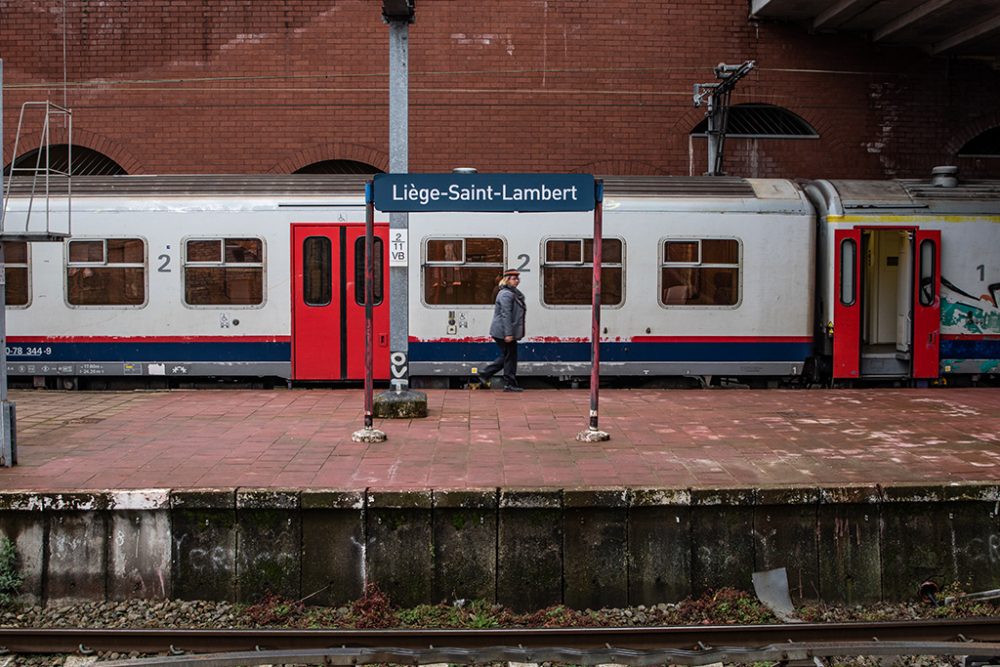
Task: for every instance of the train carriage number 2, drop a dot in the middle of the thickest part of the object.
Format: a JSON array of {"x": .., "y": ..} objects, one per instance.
[{"x": 165, "y": 258}]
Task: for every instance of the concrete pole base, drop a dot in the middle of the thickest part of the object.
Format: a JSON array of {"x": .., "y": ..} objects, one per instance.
[
  {"x": 368, "y": 435},
  {"x": 404, "y": 404},
  {"x": 592, "y": 435}
]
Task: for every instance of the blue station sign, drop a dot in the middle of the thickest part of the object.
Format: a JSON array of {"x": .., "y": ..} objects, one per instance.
[{"x": 419, "y": 193}]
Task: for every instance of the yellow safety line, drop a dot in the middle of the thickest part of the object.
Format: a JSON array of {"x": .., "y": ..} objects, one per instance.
[{"x": 911, "y": 219}]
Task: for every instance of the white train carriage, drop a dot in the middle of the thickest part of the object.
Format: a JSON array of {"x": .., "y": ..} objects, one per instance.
[
  {"x": 910, "y": 277},
  {"x": 261, "y": 276},
  {"x": 700, "y": 277},
  {"x": 192, "y": 276}
]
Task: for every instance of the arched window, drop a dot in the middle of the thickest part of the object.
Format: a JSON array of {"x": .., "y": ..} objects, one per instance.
[
  {"x": 338, "y": 167},
  {"x": 86, "y": 162},
  {"x": 986, "y": 144},
  {"x": 762, "y": 121}
]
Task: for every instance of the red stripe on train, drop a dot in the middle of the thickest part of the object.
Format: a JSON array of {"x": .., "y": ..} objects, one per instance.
[
  {"x": 149, "y": 339},
  {"x": 633, "y": 339}
]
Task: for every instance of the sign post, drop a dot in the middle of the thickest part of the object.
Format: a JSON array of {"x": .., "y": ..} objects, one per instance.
[
  {"x": 593, "y": 433},
  {"x": 369, "y": 433},
  {"x": 505, "y": 193}
]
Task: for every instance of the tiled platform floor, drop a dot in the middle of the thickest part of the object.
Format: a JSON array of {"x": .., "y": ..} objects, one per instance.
[{"x": 478, "y": 439}]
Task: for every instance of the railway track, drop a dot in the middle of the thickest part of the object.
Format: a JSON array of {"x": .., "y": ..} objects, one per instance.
[{"x": 693, "y": 645}]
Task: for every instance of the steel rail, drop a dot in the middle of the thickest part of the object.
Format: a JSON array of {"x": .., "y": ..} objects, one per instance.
[
  {"x": 72, "y": 640},
  {"x": 632, "y": 658}
]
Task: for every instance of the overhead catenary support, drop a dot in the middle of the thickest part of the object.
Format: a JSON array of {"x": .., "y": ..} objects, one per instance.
[{"x": 717, "y": 96}]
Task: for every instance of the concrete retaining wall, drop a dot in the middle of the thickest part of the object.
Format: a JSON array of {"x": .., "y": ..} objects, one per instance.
[{"x": 525, "y": 548}]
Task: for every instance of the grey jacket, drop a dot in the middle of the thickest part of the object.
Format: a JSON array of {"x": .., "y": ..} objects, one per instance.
[{"x": 508, "y": 314}]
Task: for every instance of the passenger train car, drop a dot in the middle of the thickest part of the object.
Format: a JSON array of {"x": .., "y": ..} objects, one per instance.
[{"x": 176, "y": 277}]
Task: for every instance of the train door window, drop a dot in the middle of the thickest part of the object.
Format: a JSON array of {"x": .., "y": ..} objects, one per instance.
[
  {"x": 106, "y": 272},
  {"x": 927, "y": 270},
  {"x": 700, "y": 272},
  {"x": 848, "y": 272},
  {"x": 224, "y": 272},
  {"x": 359, "y": 270},
  {"x": 16, "y": 273},
  {"x": 568, "y": 269},
  {"x": 317, "y": 271},
  {"x": 462, "y": 271}
]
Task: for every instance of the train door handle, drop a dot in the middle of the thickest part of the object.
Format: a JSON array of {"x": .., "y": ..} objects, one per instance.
[{"x": 383, "y": 340}]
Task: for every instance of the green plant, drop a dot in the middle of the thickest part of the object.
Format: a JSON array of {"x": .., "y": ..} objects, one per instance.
[{"x": 10, "y": 578}]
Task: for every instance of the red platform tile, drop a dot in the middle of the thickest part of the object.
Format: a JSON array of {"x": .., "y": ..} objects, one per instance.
[{"x": 484, "y": 439}]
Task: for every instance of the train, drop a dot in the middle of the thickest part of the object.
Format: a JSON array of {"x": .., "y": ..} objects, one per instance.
[{"x": 704, "y": 279}]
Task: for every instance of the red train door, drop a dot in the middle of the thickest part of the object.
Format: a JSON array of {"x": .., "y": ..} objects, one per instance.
[
  {"x": 847, "y": 304},
  {"x": 328, "y": 311},
  {"x": 926, "y": 303}
]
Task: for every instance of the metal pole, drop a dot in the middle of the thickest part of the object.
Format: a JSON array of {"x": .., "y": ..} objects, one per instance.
[
  {"x": 369, "y": 300},
  {"x": 593, "y": 433},
  {"x": 401, "y": 402},
  {"x": 399, "y": 164},
  {"x": 369, "y": 433},
  {"x": 8, "y": 441}
]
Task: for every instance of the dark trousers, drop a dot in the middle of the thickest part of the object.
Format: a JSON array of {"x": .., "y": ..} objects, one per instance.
[{"x": 506, "y": 361}]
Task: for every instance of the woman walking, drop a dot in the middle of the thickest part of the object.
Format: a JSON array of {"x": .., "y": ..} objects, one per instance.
[{"x": 506, "y": 329}]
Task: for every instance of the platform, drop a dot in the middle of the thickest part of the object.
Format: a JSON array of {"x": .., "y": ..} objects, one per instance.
[
  {"x": 480, "y": 439},
  {"x": 233, "y": 494}
]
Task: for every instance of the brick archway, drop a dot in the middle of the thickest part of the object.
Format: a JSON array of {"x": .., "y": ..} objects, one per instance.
[
  {"x": 332, "y": 151},
  {"x": 968, "y": 133},
  {"x": 99, "y": 143}
]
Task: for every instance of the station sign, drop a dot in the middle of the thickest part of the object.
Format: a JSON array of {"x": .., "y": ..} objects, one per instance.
[{"x": 498, "y": 193}]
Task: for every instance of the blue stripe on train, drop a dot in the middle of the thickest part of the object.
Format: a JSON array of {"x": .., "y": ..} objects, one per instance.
[
  {"x": 458, "y": 351},
  {"x": 614, "y": 352},
  {"x": 970, "y": 349},
  {"x": 138, "y": 351}
]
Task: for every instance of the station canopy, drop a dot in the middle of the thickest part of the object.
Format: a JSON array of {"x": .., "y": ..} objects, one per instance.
[{"x": 968, "y": 28}]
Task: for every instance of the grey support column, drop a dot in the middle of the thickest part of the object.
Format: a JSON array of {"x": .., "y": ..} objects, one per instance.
[
  {"x": 399, "y": 222},
  {"x": 400, "y": 401}
]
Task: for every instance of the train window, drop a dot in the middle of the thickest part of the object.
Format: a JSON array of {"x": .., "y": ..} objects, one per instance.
[
  {"x": 848, "y": 253},
  {"x": 224, "y": 272},
  {"x": 359, "y": 270},
  {"x": 927, "y": 269},
  {"x": 567, "y": 274},
  {"x": 16, "y": 272},
  {"x": 462, "y": 271},
  {"x": 700, "y": 272},
  {"x": 106, "y": 272},
  {"x": 317, "y": 271}
]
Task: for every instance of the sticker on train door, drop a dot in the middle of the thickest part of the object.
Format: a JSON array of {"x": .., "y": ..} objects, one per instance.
[
  {"x": 847, "y": 304},
  {"x": 926, "y": 304}
]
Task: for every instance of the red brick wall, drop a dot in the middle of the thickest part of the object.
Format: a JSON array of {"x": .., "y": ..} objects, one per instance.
[{"x": 501, "y": 85}]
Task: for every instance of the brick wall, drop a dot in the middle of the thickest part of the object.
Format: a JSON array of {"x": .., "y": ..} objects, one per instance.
[{"x": 502, "y": 85}]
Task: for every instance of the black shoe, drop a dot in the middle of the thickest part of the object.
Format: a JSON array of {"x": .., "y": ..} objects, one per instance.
[{"x": 513, "y": 387}]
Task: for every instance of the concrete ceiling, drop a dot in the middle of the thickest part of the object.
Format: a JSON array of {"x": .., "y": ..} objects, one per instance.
[{"x": 969, "y": 28}]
